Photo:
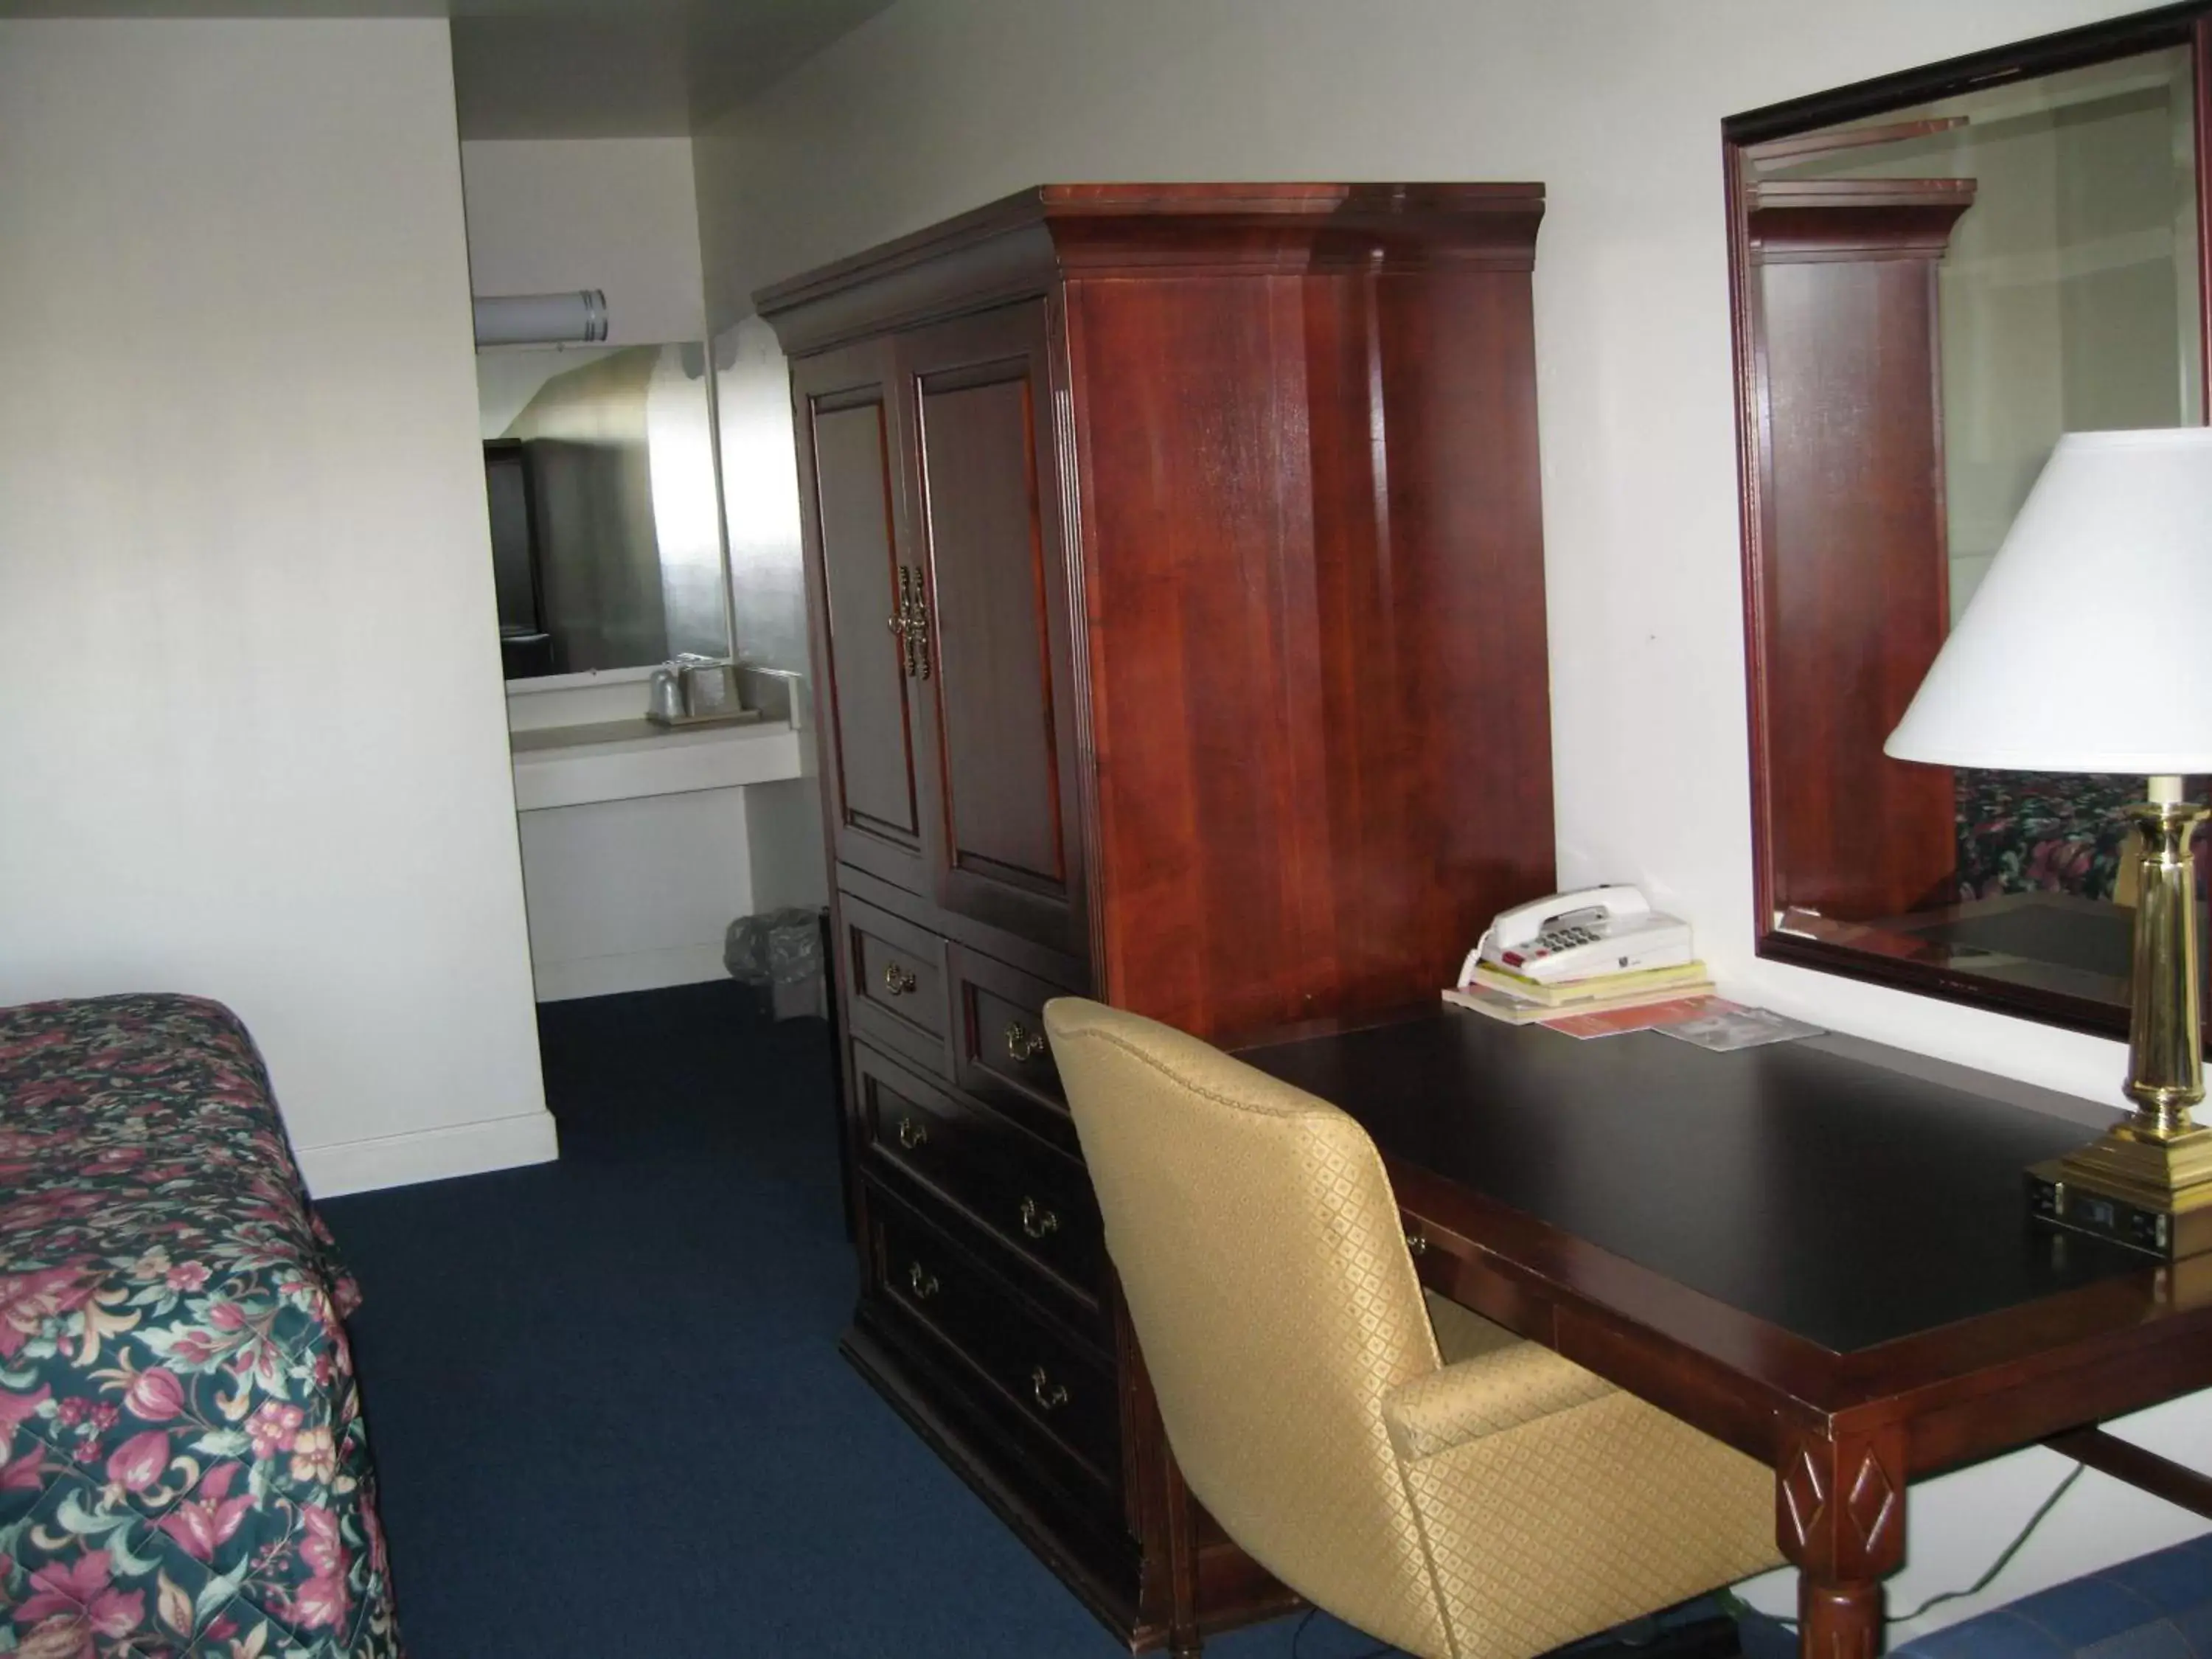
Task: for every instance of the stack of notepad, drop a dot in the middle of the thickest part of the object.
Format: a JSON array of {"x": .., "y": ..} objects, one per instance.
[{"x": 1504, "y": 994}]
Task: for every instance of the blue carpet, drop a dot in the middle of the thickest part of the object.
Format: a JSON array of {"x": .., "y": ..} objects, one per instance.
[{"x": 605, "y": 1398}]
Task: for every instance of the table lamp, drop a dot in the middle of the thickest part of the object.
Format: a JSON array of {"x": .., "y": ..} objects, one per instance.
[{"x": 2088, "y": 649}]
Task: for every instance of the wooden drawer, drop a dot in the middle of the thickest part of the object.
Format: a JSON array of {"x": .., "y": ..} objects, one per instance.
[
  {"x": 1036, "y": 1371},
  {"x": 999, "y": 1050},
  {"x": 1029, "y": 1197},
  {"x": 895, "y": 983},
  {"x": 1054, "y": 967},
  {"x": 1051, "y": 1499}
]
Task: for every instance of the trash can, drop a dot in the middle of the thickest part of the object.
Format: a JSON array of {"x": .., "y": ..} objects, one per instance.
[{"x": 779, "y": 953}]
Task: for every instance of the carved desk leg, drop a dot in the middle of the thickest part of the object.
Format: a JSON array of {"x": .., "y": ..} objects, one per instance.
[
  {"x": 1183, "y": 1639},
  {"x": 1839, "y": 1515}
]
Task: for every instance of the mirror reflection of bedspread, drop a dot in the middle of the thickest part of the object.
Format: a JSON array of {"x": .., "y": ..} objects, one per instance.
[
  {"x": 182, "y": 1465},
  {"x": 2064, "y": 832}
]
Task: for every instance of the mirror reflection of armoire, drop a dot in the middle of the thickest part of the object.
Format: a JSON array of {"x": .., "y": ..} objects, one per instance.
[
  {"x": 1176, "y": 582},
  {"x": 1849, "y": 389}
]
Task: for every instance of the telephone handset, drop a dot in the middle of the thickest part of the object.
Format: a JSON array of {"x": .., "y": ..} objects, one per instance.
[{"x": 1611, "y": 929}]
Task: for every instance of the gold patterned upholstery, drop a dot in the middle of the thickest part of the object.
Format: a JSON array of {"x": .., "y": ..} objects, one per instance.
[{"x": 1492, "y": 1507}]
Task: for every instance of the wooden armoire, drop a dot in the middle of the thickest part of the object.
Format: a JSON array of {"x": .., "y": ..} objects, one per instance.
[{"x": 1177, "y": 578}]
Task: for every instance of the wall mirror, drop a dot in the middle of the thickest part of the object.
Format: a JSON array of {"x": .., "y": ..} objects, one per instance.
[
  {"x": 1935, "y": 276},
  {"x": 606, "y": 519}
]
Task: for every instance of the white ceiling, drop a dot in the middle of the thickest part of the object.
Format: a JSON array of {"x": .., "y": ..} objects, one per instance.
[
  {"x": 620, "y": 68},
  {"x": 570, "y": 69}
]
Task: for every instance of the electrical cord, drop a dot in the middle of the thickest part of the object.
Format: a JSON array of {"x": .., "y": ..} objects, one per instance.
[
  {"x": 1738, "y": 1607},
  {"x": 2005, "y": 1560}
]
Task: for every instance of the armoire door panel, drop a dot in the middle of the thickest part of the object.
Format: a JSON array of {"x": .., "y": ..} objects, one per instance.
[
  {"x": 850, "y": 448},
  {"x": 986, "y": 554},
  {"x": 1000, "y": 695},
  {"x": 877, "y": 785}
]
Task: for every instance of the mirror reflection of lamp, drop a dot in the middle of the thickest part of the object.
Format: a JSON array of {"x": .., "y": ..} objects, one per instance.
[{"x": 2084, "y": 650}]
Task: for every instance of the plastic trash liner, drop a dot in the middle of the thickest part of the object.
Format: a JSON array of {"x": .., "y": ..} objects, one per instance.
[{"x": 779, "y": 953}]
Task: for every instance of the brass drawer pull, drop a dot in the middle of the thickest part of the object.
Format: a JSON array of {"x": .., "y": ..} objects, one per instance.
[
  {"x": 1050, "y": 1395},
  {"x": 1417, "y": 1244},
  {"x": 897, "y": 981},
  {"x": 1037, "y": 1221},
  {"x": 912, "y": 1135},
  {"x": 922, "y": 1282},
  {"x": 1022, "y": 1045}
]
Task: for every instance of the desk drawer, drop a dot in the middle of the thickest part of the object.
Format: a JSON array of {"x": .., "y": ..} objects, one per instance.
[
  {"x": 1036, "y": 1371},
  {"x": 897, "y": 981},
  {"x": 1035, "y": 1201},
  {"x": 1000, "y": 1053},
  {"x": 1455, "y": 1269}
]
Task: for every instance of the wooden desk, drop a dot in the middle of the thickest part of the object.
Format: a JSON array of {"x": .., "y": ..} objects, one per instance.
[{"x": 1815, "y": 1251}]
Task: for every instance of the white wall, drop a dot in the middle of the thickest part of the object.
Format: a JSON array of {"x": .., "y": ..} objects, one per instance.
[
  {"x": 608, "y": 213},
  {"x": 767, "y": 582},
  {"x": 760, "y": 496},
  {"x": 634, "y": 894},
  {"x": 251, "y": 741},
  {"x": 939, "y": 104}
]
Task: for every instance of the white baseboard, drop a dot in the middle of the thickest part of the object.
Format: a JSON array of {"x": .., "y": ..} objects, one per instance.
[
  {"x": 361, "y": 1166},
  {"x": 631, "y": 970}
]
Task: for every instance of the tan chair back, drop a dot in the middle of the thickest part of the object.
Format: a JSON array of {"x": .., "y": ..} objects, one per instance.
[{"x": 1260, "y": 1252}]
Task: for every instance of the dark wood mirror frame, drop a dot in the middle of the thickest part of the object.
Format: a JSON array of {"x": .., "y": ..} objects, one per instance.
[{"x": 2188, "y": 26}]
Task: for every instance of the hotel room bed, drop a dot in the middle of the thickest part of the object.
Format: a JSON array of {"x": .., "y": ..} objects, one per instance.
[{"x": 182, "y": 1465}]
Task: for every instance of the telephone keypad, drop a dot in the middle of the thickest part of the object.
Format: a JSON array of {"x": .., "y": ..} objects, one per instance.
[{"x": 1564, "y": 939}]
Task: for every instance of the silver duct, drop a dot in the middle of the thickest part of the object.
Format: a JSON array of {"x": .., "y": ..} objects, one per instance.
[{"x": 576, "y": 318}]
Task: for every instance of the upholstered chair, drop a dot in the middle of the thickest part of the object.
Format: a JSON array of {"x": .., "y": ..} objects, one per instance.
[{"x": 1489, "y": 1508}]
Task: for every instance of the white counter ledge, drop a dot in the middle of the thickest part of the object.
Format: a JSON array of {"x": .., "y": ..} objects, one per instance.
[{"x": 625, "y": 760}]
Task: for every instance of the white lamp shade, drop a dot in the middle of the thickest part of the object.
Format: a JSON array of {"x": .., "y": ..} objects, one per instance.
[{"x": 2088, "y": 646}]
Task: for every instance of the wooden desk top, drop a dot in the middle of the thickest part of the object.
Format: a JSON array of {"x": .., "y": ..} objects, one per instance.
[
  {"x": 1816, "y": 1251},
  {"x": 1845, "y": 1202},
  {"x": 1788, "y": 1240}
]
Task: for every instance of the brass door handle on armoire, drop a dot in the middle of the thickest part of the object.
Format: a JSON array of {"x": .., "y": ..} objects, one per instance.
[{"x": 910, "y": 622}]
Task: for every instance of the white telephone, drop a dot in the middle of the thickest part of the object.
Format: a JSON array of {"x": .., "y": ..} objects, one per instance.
[{"x": 1569, "y": 936}]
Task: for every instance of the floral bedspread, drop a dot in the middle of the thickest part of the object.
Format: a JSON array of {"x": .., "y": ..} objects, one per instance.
[{"x": 183, "y": 1468}]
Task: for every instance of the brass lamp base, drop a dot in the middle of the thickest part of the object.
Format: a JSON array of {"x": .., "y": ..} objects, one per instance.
[
  {"x": 2155, "y": 1198},
  {"x": 2148, "y": 1184}
]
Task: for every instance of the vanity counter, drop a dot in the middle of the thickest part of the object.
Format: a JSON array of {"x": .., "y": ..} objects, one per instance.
[{"x": 627, "y": 759}]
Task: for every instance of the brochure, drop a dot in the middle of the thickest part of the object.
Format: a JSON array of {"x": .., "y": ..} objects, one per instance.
[{"x": 1724, "y": 1027}]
